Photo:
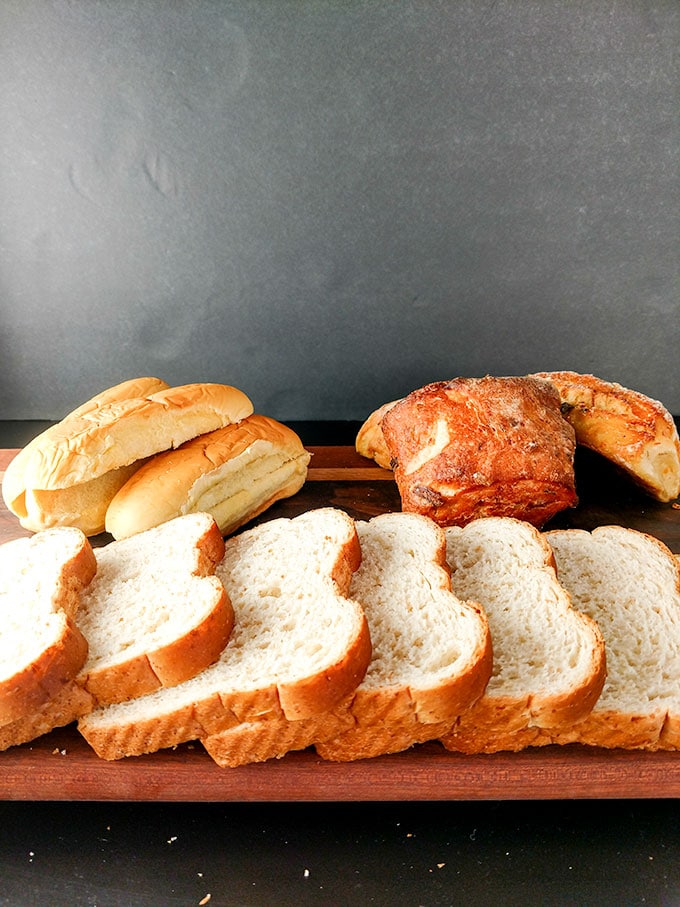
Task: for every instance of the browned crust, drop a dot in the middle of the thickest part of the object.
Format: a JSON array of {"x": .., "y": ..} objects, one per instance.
[
  {"x": 636, "y": 433},
  {"x": 67, "y": 705},
  {"x": 507, "y": 450},
  {"x": 370, "y": 441}
]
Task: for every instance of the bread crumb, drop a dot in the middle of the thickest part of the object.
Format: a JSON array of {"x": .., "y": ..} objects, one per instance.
[
  {"x": 306, "y": 873},
  {"x": 172, "y": 839},
  {"x": 204, "y": 900}
]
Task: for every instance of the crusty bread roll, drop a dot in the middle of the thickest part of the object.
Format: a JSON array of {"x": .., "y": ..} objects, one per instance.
[
  {"x": 68, "y": 475},
  {"x": 234, "y": 473},
  {"x": 42, "y": 580},
  {"x": 625, "y": 426},
  {"x": 549, "y": 659},
  {"x": 14, "y": 484},
  {"x": 474, "y": 447}
]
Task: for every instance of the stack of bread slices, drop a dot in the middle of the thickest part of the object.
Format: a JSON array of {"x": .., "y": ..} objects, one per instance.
[{"x": 356, "y": 638}]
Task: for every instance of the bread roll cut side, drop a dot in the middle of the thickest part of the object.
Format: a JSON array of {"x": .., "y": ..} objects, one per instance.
[
  {"x": 14, "y": 484},
  {"x": 476, "y": 447},
  {"x": 299, "y": 644},
  {"x": 234, "y": 473},
  {"x": 629, "y": 583},
  {"x": 549, "y": 659},
  {"x": 431, "y": 651},
  {"x": 632, "y": 430},
  {"x": 41, "y": 649}
]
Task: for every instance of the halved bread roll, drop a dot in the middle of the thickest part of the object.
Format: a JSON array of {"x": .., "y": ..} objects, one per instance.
[
  {"x": 234, "y": 473},
  {"x": 625, "y": 426}
]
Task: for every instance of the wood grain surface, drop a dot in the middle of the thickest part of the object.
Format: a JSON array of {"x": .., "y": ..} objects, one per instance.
[{"x": 61, "y": 766}]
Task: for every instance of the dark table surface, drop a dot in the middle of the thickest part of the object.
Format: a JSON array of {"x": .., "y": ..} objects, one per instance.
[{"x": 420, "y": 854}]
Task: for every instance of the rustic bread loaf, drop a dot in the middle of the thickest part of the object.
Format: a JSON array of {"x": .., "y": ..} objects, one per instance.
[
  {"x": 110, "y": 438},
  {"x": 233, "y": 473},
  {"x": 475, "y": 447},
  {"x": 549, "y": 659},
  {"x": 629, "y": 583},
  {"x": 432, "y": 653},
  {"x": 154, "y": 615},
  {"x": 42, "y": 580},
  {"x": 625, "y": 426},
  {"x": 298, "y": 648}
]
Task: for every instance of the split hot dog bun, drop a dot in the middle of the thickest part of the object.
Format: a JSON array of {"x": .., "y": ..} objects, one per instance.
[
  {"x": 69, "y": 474},
  {"x": 234, "y": 473}
]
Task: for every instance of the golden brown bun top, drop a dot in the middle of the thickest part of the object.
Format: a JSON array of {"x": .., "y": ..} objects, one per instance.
[
  {"x": 482, "y": 447},
  {"x": 14, "y": 486},
  {"x": 120, "y": 432}
]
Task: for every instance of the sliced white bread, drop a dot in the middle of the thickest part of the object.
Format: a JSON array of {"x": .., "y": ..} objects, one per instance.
[
  {"x": 629, "y": 583},
  {"x": 298, "y": 648},
  {"x": 154, "y": 615},
  {"x": 549, "y": 659},
  {"x": 431, "y": 651},
  {"x": 234, "y": 473},
  {"x": 42, "y": 580}
]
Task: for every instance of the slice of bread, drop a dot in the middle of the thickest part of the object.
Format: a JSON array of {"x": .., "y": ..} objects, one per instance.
[
  {"x": 549, "y": 659},
  {"x": 154, "y": 615},
  {"x": 42, "y": 580},
  {"x": 629, "y": 583},
  {"x": 431, "y": 651},
  {"x": 627, "y": 427},
  {"x": 431, "y": 656},
  {"x": 234, "y": 473},
  {"x": 298, "y": 648}
]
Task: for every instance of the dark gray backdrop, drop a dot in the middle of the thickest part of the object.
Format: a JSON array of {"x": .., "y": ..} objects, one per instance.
[{"x": 330, "y": 203}]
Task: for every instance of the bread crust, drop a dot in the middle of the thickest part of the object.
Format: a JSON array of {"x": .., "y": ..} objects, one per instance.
[
  {"x": 36, "y": 682},
  {"x": 636, "y": 433},
  {"x": 235, "y": 473},
  {"x": 475, "y": 447},
  {"x": 119, "y": 433},
  {"x": 370, "y": 440},
  {"x": 14, "y": 483}
]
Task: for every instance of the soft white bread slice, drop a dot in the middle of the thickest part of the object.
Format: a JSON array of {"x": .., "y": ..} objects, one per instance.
[
  {"x": 234, "y": 473},
  {"x": 298, "y": 648},
  {"x": 629, "y": 583},
  {"x": 42, "y": 579},
  {"x": 432, "y": 653},
  {"x": 549, "y": 659},
  {"x": 370, "y": 440},
  {"x": 14, "y": 484},
  {"x": 111, "y": 438},
  {"x": 628, "y": 428},
  {"x": 154, "y": 615}
]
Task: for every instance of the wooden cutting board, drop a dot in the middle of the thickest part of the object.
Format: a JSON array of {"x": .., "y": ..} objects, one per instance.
[{"x": 61, "y": 766}]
